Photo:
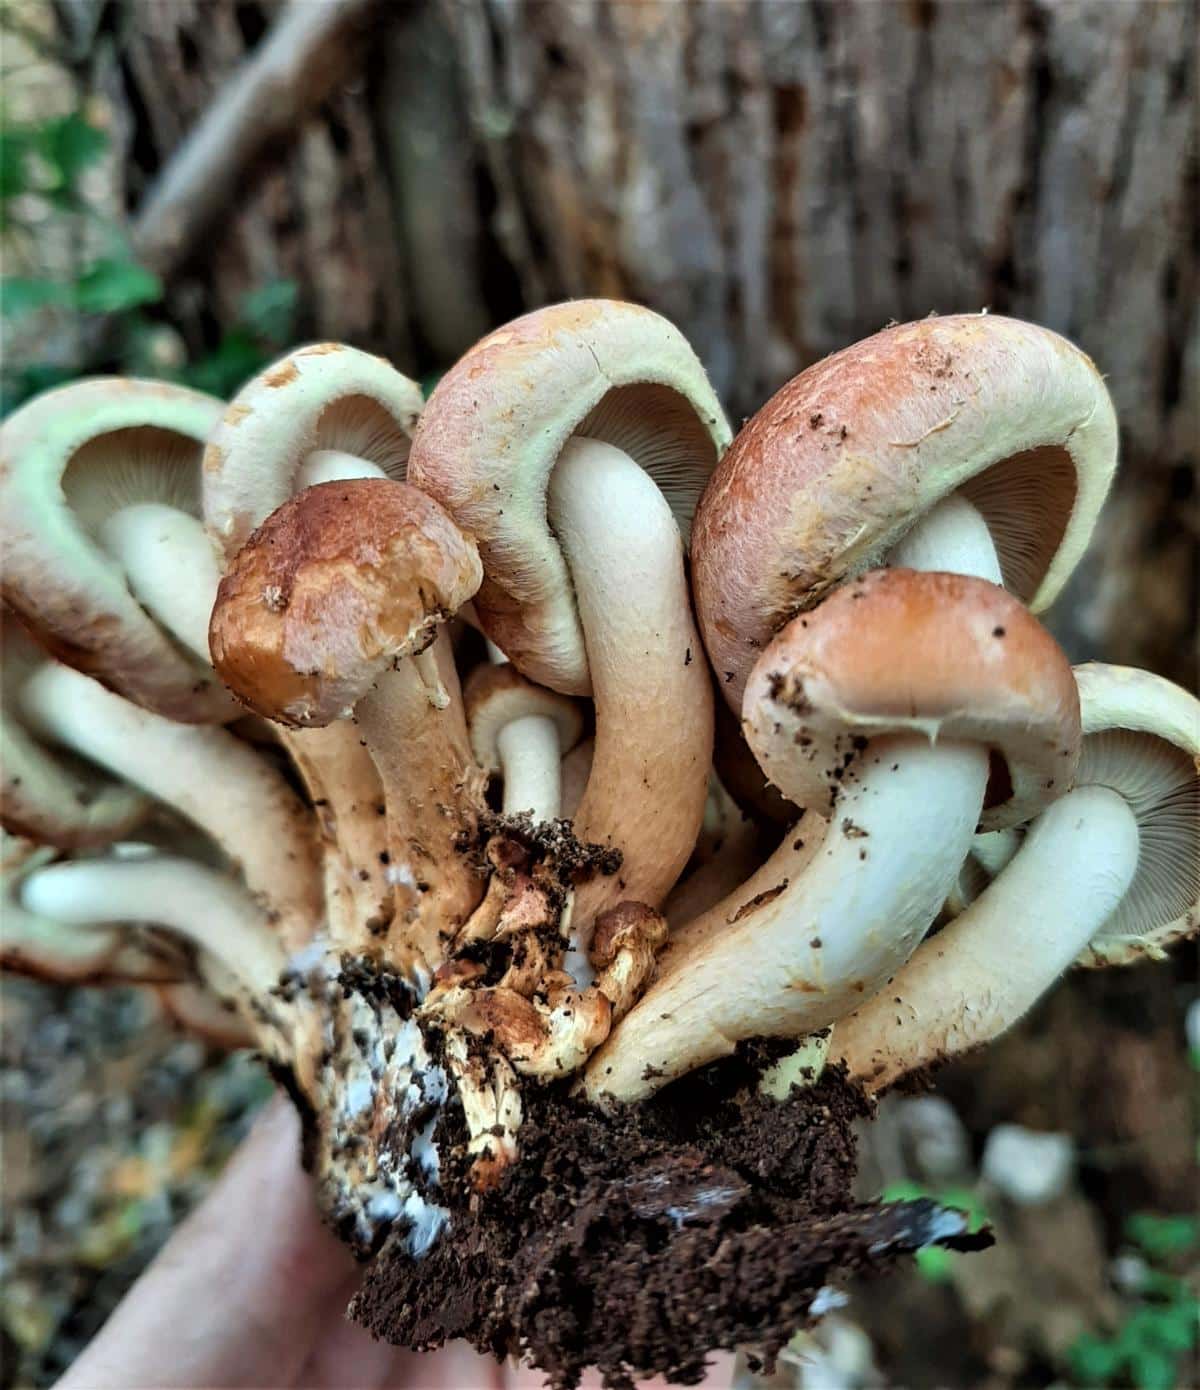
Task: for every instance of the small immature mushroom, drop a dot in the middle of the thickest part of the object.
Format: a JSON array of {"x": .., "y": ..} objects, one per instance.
[
  {"x": 522, "y": 731},
  {"x": 321, "y": 413},
  {"x": 573, "y": 444},
  {"x": 1006, "y": 423},
  {"x": 1108, "y": 875},
  {"x": 100, "y": 495},
  {"x": 624, "y": 952},
  {"x": 882, "y": 706},
  {"x": 204, "y": 773},
  {"x": 190, "y": 899},
  {"x": 47, "y": 797},
  {"x": 331, "y": 608}
]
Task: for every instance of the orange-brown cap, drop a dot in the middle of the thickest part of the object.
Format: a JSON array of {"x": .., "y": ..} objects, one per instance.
[
  {"x": 334, "y": 587},
  {"x": 491, "y": 432},
  {"x": 846, "y": 457},
  {"x": 906, "y": 652}
]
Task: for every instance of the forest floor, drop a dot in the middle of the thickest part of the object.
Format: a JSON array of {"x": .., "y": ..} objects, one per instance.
[{"x": 1075, "y": 1137}]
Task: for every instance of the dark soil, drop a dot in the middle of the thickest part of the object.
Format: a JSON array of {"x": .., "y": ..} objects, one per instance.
[{"x": 642, "y": 1239}]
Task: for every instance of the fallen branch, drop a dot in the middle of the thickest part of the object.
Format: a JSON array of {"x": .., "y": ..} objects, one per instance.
[{"x": 307, "y": 52}]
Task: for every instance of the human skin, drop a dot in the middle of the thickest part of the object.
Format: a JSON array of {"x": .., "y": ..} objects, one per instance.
[{"x": 216, "y": 1309}]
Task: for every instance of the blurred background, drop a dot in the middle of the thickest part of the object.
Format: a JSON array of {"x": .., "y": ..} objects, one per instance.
[{"x": 189, "y": 186}]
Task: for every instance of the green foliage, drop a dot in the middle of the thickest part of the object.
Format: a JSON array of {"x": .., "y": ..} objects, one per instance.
[
  {"x": 935, "y": 1263},
  {"x": 1162, "y": 1326},
  {"x": 47, "y": 162}
]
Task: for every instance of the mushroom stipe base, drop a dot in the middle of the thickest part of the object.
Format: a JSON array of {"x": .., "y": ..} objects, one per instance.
[{"x": 641, "y": 1238}]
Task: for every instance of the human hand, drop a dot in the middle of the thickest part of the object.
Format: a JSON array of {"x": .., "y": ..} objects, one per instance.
[{"x": 252, "y": 1290}]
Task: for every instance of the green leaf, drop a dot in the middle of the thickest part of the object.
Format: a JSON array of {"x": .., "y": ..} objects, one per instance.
[
  {"x": 1093, "y": 1361},
  {"x": 69, "y": 145},
  {"x": 20, "y": 296},
  {"x": 234, "y": 361},
  {"x": 14, "y": 167},
  {"x": 1153, "y": 1370},
  {"x": 935, "y": 1264},
  {"x": 110, "y": 286},
  {"x": 270, "y": 311},
  {"x": 1163, "y": 1236}
]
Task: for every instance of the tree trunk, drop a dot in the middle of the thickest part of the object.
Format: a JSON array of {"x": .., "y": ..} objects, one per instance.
[{"x": 780, "y": 177}]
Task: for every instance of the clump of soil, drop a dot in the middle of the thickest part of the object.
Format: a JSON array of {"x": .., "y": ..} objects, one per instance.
[{"x": 641, "y": 1239}]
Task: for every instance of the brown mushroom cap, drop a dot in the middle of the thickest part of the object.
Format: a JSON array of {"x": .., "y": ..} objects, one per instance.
[
  {"x": 943, "y": 655},
  {"x": 334, "y": 587},
  {"x": 846, "y": 457},
  {"x": 496, "y": 695},
  {"x": 491, "y": 432},
  {"x": 324, "y": 396}
]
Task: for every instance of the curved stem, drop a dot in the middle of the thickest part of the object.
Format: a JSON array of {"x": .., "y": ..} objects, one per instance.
[
  {"x": 654, "y": 719},
  {"x": 797, "y": 956},
  {"x": 531, "y": 766},
  {"x": 198, "y": 903},
  {"x": 205, "y": 773},
  {"x": 991, "y": 964},
  {"x": 172, "y": 568}
]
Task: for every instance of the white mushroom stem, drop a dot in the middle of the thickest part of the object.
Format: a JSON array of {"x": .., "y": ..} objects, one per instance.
[
  {"x": 979, "y": 975},
  {"x": 205, "y": 773},
  {"x": 798, "y": 956},
  {"x": 952, "y": 537},
  {"x": 531, "y": 766},
  {"x": 171, "y": 567},
  {"x": 334, "y": 466},
  {"x": 198, "y": 903},
  {"x": 653, "y": 748}
]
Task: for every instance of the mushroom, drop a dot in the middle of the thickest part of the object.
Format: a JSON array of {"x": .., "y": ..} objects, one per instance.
[
  {"x": 100, "y": 494},
  {"x": 332, "y": 607},
  {"x": 191, "y": 899},
  {"x": 522, "y": 731},
  {"x": 1007, "y": 422},
  {"x": 50, "y": 950},
  {"x": 323, "y": 412},
  {"x": 202, "y": 772},
  {"x": 573, "y": 444},
  {"x": 1108, "y": 875},
  {"x": 726, "y": 854},
  {"x": 54, "y": 800},
  {"x": 881, "y": 707}
]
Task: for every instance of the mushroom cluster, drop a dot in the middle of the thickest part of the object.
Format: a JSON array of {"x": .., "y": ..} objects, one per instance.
[{"x": 541, "y": 740}]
